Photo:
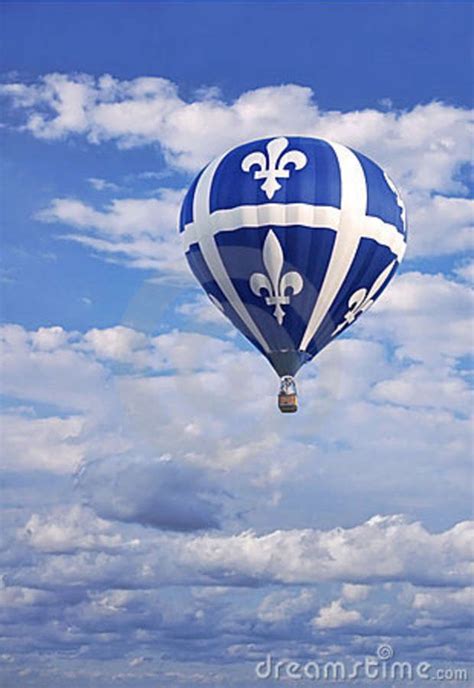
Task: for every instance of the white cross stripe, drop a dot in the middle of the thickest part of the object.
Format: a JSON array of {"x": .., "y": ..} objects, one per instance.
[
  {"x": 385, "y": 234},
  {"x": 303, "y": 214},
  {"x": 269, "y": 214},
  {"x": 351, "y": 222},
  {"x": 206, "y": 229}
]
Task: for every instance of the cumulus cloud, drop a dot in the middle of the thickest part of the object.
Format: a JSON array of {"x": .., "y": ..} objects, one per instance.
[
  {"x": 94, "y": 579},
  {"x": 123, "y": 409},
  {"x": 465, "y": 270},
  {"x": 354, "y": 593},
  {"x": 280, "y": 607},
  {"x": 49, "y": 338},
  {"x": 16, "y": 596},
  {"x": 32, "y": 360},
  {"x": 138, "y": 232},
  {"x": 150, "y": 109},
  {"x": 200, "y": 310},
  {"x": 432, "y": 387},
  {"x": 423, "y": 149},
  {"x": 428, "y": 317},
  {"x": 67, "y": 530},
  {"x": 336, "y": 616},
  {"x": 382, "y": 549},
  {"x": 103, "y": 567},
  {"x": 50, "y": 444},
  {"x": 196, "y": 397},
  {"x": 176, "y": 350},
  {"x": 125, "y": 217},
  {"x": 117, "y": 343},
  {"x": 441, "y": 224},
  {"x": 441, "y": 607}
]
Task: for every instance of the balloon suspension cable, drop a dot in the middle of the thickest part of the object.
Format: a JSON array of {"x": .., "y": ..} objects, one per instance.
[{"x": 287, "y": 396}]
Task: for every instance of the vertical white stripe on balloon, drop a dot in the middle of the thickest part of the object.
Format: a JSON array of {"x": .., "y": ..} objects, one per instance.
[
  {"x": 205, "y": 231},
  {"x": 351, "y": 223}
]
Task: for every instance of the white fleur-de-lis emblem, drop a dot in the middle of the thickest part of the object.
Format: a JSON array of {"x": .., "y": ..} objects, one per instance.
[
  {"x": 275, "y": 284},
  {"x": 273, "y": 166},
  {"x": 362, "y": 299}
]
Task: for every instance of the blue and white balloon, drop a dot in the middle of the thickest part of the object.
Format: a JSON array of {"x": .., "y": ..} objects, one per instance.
[{"x": 293, "y": 238}]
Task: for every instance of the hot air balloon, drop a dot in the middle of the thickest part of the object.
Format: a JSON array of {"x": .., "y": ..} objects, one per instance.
[{"x": 292, "y": 238}]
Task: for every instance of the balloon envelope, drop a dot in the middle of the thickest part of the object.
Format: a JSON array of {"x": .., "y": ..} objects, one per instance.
[{"x": 293, "y": 238}]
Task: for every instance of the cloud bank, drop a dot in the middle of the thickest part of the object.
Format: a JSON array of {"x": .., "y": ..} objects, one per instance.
[{"x": 426, "y": 150}]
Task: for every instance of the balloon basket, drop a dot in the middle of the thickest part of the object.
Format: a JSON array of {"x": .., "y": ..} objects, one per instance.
[{"x": 287, "y": 396}]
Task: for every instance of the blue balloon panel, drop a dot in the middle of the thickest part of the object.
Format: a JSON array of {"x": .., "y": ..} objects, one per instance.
[
  {"x": 304, "y": 250},
  {"x": 317, "y": 183}
]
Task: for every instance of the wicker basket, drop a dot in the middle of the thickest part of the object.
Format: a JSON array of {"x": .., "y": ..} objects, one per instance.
[{"x": 287, "y": 403}]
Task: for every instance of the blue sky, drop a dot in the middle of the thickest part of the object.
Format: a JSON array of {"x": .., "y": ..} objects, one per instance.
[{"x": 156, "y": 535}]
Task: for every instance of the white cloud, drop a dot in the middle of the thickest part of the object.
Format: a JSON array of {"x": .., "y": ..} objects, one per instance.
[
  {"x": 427, "y": 316},
  {"x": 136, "y": 661},
  {"x": 385, "y": 548},
  {"x": 433, "y": 387},
  {"x": 347, "y": 369},
  {"x": 51, "y": 444},
  {"x": 176, "y": 350},
  {"x": 141, "y": 233},
  {"x": 116, "y": 343},
  {"x": 201, "y": 310},
  {"x": 67, "y": 530},
  {"x": 465, "y": 270},
  {"x": 280, "y": 607},
  {"x": 73, "y": 373},
  {"x": 216, "y": 396},
  {"x": 444, "y": 607},
  {"x": 441, "y": 225},
  {"x": 102, "y": 184},
  {"x": 212, "y": 408},
  {"x": 49, "y": 338},
  {"x": 32, "y": 361},
  {"x": 354, "y": 593},
  {"x": 16, "y": 596},
  {"x": 441, "y": 598},
  {"x": 201, "y": 400},
  {"x": 336, "y": 616},
  {"x": 125, "y": 217},
  {"x": 424, "y": 146},
  {"x": 423, "y": 149}
]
